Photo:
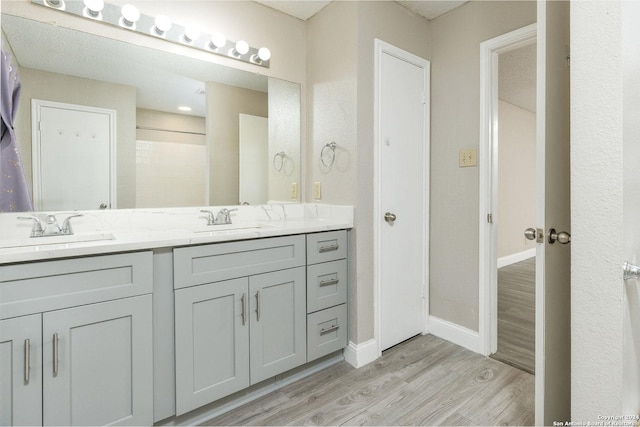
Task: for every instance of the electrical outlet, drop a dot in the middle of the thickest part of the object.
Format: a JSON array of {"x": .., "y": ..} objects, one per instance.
[
  {"x": 468, "y": 158},
  {"x": 294, "y": 190},
  {"x": 317, "y": 190}
]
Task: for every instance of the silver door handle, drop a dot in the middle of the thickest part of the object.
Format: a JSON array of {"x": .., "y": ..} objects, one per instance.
[
  {"x": 103, "y": 206},
  {"x": 258, "y": 306},
  {"x": 630, "y": 271},
  {"x": 561, "y": 237},
  {"x": 389, "y": 217},
  {"x": 530, "y": 233},
  {"x": 329, "y": 282},
  {"x": 55, "y": 355},
  {"x": 243, "y": 301},
  {"x": 329, "y": 329},
  {"x": 27, "y": 360},
  {"x": 329, "y": 248}
]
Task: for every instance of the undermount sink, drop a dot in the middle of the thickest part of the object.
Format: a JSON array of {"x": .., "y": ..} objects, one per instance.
[
  {"x": 245, "y": 227},
  {"x": 54, "y": 240}
]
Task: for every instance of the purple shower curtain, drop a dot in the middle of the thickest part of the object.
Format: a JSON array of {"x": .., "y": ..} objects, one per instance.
[{"x": 14, "y": 195}]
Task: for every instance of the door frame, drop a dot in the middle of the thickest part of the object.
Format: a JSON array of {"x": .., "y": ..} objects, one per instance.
[
  {"x": 380, "y": 48},
  {"x": 36, "y": 106},
  {"x": 488, "y": 171}
]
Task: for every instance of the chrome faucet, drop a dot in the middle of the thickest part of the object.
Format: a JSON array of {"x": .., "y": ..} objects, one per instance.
[
  {"x": 222, "y": 217},
  {"x": 49, "y": 226}
]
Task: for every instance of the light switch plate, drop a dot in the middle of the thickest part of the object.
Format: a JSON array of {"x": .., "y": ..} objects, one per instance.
[
  {"x": 294, "y": 190},
  {"x": 468, "y": 158},
  {"x": 317, "y": 190}
]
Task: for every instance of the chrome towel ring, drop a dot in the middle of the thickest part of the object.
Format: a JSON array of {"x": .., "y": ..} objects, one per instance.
[
  {"x": 331, "y": 146},
  {"x": 279, "y": 165}
]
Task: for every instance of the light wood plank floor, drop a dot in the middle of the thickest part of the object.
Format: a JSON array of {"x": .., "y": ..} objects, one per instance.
[
  {"x": 423, "y": 381},
  {"x": 517, "y": 315}
]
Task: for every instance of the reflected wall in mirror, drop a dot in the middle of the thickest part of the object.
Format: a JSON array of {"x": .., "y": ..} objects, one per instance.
[{"x": 164, "y": 157}]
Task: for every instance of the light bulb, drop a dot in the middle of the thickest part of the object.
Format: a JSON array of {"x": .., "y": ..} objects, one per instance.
[
  {"x": 191, "y": 34},
  {"x": 218, "y": 40},
  {"x": 163, "y": 24},
  {"x": 264, "y": 54},
  {"x": 242, "y": 47},
  {"x": 93, "y": 8},
  {"x": 130, "y": 15}
]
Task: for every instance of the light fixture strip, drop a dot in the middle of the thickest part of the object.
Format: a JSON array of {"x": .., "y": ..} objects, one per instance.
[{"x": 111, "y": 15}]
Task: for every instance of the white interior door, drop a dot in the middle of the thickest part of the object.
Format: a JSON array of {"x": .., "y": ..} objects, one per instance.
[
  {"x": 402, "y": 192},
  {"x": 553, "y": 260},
  {"x": 71, "y": 141},
  {"x": 254, "y": 153}
]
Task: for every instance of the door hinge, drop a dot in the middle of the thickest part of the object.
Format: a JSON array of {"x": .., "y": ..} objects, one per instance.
[{"x": 490, "y": 218}]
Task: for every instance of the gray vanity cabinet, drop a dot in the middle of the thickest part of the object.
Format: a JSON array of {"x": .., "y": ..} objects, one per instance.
[
  {"x": 76, "y": 341},
  {"x": 234, "y": 332}
]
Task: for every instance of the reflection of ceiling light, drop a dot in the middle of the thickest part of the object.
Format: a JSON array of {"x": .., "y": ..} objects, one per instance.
[
  {"x": 242, "y": 47},
  {"x": 130, "y": 15},
  {"x": 218, "y": 40},
  {"x": 162, "y": 25},
  {"x": 58, "y": 4},
  {"x": 190, "y": 34},
  {"x": 264, "y": 54},
  {"x": 93, "y": 8},
  {"x": 184, "y": 108}
]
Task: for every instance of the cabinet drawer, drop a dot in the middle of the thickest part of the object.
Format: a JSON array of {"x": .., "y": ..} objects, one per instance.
[
  {"x": 326, "y": 285},
  {"x": 326, "y": 331},
  {"x": 196, "y": 265},
  {"x": 328, "y": 246},
  {"x": 43, "y": 286}
]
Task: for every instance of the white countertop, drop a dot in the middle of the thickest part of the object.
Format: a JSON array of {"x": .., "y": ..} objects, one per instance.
[{"x": 101, "y": 232}]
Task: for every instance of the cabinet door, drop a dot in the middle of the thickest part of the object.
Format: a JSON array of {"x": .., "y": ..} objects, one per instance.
[
  {"x": 20, "y": 371},
  {"x": 278, "y": 322},
  {"x": 212, "y": 342},
  {"x": 98, "y": 364}
]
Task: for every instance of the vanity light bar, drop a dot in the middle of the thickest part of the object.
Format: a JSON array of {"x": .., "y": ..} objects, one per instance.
[{"x": 128, "y": 17}]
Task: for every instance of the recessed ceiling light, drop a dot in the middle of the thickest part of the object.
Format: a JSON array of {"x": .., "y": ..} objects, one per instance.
[{"x": 184, "y": 108}]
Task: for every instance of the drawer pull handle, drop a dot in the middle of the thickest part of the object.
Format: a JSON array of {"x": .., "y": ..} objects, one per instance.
[
  {"x": 329, "y": 282},
  {"x": 27, "y": 360},
  {"x": 329, "y": 248},
  {"x": 329, "y": 329},
  {"x": 243, "y": 301},
  {"x": 55, "y": 355}
]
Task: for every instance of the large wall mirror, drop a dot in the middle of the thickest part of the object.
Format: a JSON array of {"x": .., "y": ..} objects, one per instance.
[{"x": 238, "y": 143}]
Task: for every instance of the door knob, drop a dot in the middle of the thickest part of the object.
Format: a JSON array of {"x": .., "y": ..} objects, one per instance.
[
  {"x": 103, "y": 206},
  {"x": 389, "y": 217},
  {"x": 561, "y": 237},
  {"x": 530, "y": 233}
]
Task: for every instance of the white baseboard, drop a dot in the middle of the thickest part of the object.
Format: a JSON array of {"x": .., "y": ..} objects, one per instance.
[
  {"x": 513, "y": 258},
  {"x": 358, "y": 355},
  {"x": 455, "y": 333}
]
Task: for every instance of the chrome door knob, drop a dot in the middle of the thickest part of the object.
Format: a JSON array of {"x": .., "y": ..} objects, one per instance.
[
  {"x": 103, "y": 206},
  {"x": 559, "y": 236},
  {"x": 530, "y": 233},
  {"x": 389, "y": 217}
]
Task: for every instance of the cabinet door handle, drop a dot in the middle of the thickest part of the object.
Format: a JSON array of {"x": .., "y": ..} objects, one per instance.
[
  {"x": 243, "y": 301},
  {"x": 55, "y": 355},
  {"x": 329, "y": 248},
  {"x": 27, "y": 360},
  {"x": 258, "y": 306},
  {"x": 329, "y": 329},
  {"x": 329, "y": 282}
]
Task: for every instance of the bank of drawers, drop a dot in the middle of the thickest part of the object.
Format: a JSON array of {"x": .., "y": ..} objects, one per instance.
[{"x": 326, "y": 293}]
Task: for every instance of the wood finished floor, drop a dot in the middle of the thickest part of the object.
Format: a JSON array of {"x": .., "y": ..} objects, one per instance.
[
  {"x": 517, "y": 315},
  {"x": 423, "y": 381}
]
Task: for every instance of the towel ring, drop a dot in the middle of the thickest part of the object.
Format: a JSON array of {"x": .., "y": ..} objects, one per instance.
[
  {"x": 278, "y": 168},
  {"x": 332, "y": 146}
]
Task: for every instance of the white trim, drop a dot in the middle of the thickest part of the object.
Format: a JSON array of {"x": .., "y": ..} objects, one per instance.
[
  {"x": 488, "y": 160},
  {"x": 456, "y": 334},
  {"x": 517, "y": 257},
  {"x": 36, "y": 106},
  {"x": 381, "y": 47},
  {"x": 358, "y": 355}
]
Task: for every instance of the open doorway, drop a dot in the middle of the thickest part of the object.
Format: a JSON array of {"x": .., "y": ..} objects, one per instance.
[{"x": 516, "y": 210}]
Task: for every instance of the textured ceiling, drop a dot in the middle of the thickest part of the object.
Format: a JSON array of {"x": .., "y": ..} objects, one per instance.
[{"x": 517, "y": 77}]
